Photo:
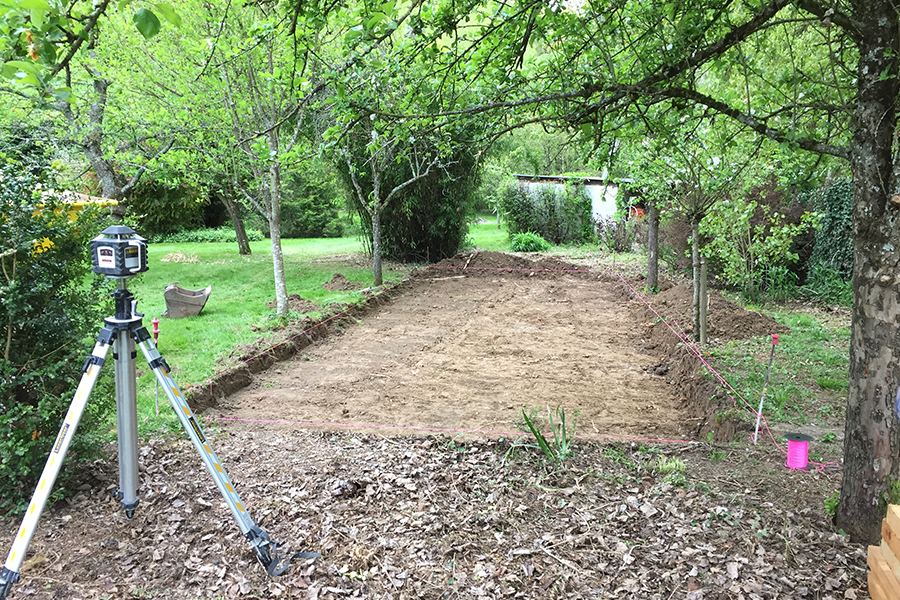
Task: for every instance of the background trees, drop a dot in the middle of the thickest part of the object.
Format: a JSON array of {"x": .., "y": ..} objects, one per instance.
[
  {"x": 593, "y": 64},
  {"x": 810, "y": 76}
]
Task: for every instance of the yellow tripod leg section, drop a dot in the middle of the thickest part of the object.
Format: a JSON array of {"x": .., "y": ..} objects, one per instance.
[
  {"x": 263, "y": 546},
  {"x": 10, "y": 573}
]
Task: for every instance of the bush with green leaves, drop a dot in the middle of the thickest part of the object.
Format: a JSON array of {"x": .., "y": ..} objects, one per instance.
[
  {"x": 528, "y": 242},
  {"x": 51, "y": 308},
  {"x": 218, "y": 234},
  {"x": 427, "y": 220},
  {"x": 309, "y": 206},
  {"x": 746, "y": 252},
  {"x": 158, "y": 208},
  {"x": 560, "y": 214}
]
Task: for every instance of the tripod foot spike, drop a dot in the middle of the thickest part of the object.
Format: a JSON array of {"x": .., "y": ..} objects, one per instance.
[
  {"x": 130, "y": 508},
  {"x": 7, "y": 579},
  {"x": 267, "y": 552}
]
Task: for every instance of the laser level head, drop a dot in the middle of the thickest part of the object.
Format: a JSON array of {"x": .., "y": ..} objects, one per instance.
[{"x": 119, "y": 252}]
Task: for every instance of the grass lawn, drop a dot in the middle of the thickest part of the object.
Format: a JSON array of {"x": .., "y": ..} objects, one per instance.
[{"x": 487, "y": 236}]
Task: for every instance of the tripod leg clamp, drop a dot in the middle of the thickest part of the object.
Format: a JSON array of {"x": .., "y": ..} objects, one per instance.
[
  {"x": 7, "y": 579},
  {"x": 267, "y": 552}
]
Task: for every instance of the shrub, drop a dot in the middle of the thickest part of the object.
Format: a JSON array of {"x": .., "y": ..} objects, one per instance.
[
  {"x": 160, "y": 209},
  {"x": 51, "y": 308},
  {"x": 426, "y": 221},
  {"x": 219, "y": 234},
  {"x": 828, "y": 286},
  {"x": 309, "y": 207},
  {"x": 528, "y": 242},
  {"x": 561, "y": 214},
  {"x": 616, "y": 236},
  {"x": 747, "y": 251}
]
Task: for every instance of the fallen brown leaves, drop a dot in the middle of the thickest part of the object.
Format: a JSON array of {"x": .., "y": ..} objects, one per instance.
[{"x": 434, "y": 518}]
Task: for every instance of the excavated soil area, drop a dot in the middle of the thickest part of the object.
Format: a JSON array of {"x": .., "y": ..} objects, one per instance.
[
  {"x": 464, "y": 350},
  {"x": 388, "y": 440},
  {"x": 464, "y": 346}
]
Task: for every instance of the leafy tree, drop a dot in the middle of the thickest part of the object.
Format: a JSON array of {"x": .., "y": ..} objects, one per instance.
[
  {"x": 815, "y": 76},
  {"x": 747, "y": 251}
]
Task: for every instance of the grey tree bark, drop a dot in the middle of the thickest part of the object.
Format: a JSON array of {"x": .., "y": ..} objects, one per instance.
[{"x": 872, "y": 430}]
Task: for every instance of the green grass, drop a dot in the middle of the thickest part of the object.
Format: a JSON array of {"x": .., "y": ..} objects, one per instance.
[
  {"x": 236, "y": 311},
  {"x": 809, "y": 378},
  {"x": 487, "y": 236}
]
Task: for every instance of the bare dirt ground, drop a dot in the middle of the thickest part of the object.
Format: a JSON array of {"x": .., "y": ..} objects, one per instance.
[
  {"x": 471, "y": 511},
  {"x": 466, "y": 352}
]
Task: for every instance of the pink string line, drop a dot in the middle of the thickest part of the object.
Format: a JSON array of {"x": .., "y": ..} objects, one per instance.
[
  {"x": 695, "y": 349},
  {"x": 443, "y": 429},
  {"x": 512, "y": 269},
  {"x": 682, "y": 336}
]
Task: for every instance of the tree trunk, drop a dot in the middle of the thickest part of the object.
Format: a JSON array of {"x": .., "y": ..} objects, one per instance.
[
  {"x": 704, "y": 301},
  {"x": 695, "y": 263},
  {"x": 281, "y": 302},
  {"x": 111, "y": 183},
  {"x": 653, "y": 249},
  {"x": 237, "y": 221},
  {"x": 872, "y": 430},
  {"x": 376, "y": 247}
]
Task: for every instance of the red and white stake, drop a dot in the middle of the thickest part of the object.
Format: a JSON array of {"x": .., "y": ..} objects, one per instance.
[{"x": 765, "y": 387}]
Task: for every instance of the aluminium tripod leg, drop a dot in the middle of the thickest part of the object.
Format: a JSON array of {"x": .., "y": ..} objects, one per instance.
[
  {"x": 126, "y": 421},
  {"x": 10, "y": 573},
  {"x": 263, "y": 546}
]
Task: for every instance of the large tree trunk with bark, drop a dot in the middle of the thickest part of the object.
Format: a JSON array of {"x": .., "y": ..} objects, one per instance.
[
  {"x": 653, "y": 248},
  {"x": 872, "y": 431}
]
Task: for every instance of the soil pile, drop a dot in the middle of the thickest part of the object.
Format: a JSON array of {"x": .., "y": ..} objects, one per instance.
[
  {"x": 342, "y": 284},
  {"x": 726, "y": 320},
  {"x": 297, "y": 304},
  {"x": 490, "y": 264}
]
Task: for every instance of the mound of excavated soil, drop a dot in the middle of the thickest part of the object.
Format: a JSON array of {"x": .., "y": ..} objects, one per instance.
[
  {"x": 342, "y": 284},
  {"x": 726, "y": 320},
  {"x": 489, "y": 264},
  {"x": 297, "y": 304}
]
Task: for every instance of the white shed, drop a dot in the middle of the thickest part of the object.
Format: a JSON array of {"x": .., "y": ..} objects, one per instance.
[{"x": 601, "y": 190}]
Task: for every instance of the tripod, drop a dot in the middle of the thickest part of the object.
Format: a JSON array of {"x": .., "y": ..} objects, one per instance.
[{"x": 126, "y": 331}]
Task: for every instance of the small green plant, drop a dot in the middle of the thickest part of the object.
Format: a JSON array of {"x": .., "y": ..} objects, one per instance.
[
  {"x": 560, "y": 447},
  {"x": 672, "y": 470},
  {"x": 676, "y": 479},
  {"x": 832, "y": 503},
  {"x": 528, "y": 242},
  {"x": 617, "y": 454},
  {"x": 665, "y": 466},
  {"x": 831, "y": 383},
  {"x": 716, "y": 454},
  {"x": 829, "y": 438}
]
